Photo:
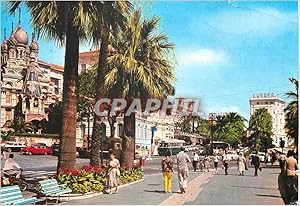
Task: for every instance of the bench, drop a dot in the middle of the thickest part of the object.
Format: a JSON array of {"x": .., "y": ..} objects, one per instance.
[
  {"x": 50, "y": 188},
  {"x": 11, "y": 195}
]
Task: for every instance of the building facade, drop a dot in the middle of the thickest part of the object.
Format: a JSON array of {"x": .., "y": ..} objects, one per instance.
[
  {"x": 28, "y": 84},
  {"x": 275, "y": 107}
]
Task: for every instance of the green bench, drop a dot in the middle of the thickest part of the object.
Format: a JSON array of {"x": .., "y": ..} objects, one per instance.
[
  {"x": 11, "y": 195},
  {"x": 50, "y": 188}
]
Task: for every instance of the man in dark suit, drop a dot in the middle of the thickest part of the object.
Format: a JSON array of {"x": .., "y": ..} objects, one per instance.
[{"x": 255, "y": 163}]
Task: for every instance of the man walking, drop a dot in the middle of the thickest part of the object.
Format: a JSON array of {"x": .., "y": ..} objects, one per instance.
[
  {"x": 225, "y": 162},
  {"x": 182, "y": 159},
  {"x": 256, "y": 163},
  {"x": 195, "y": 161}
]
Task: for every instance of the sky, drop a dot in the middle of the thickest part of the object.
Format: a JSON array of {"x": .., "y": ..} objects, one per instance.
[{"x": 226, "y": 51}]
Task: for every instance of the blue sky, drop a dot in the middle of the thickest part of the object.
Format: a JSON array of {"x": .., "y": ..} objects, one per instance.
[{"x": 226, "y": 51}]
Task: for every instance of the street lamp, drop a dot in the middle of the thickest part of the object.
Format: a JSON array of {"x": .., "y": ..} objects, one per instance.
[{"x": 153, "y": 129}]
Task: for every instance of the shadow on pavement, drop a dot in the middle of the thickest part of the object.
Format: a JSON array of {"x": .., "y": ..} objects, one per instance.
[
  {"x": 235, "y": 175},
  {"x": 154, "y": 184},
  {"x": 263, "y": 188},
  {"x": 268, "y": 195},
  {"x": 159, "y": 191}
]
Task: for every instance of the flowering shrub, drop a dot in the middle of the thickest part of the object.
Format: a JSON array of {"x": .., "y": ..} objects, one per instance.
[{"x": 94, "y": 178}]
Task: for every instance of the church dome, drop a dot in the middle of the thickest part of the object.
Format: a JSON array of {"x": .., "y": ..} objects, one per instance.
[
  {"x": 4, "y": 46},
  {"x": 20, "y": 36}
]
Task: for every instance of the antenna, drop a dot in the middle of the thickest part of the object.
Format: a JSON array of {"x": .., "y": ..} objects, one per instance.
[{"x": 19, "y": 15}]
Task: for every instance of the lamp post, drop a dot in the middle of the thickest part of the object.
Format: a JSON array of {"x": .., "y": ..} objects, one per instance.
[{"x": 153, "y": 129}]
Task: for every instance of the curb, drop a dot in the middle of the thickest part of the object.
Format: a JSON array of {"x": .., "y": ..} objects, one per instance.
[{"x": 91, "y": 194}]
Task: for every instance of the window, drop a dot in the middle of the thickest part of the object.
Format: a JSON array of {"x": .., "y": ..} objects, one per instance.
[
  {"x": 56, "y": 91},
  {"x": 83, "y": 67},
  {"x": 266, "y": 102},
  {"x": 271, "y": 102},
  {"x": 257, "y": 102},
  {"x": 36, "y": 102}
]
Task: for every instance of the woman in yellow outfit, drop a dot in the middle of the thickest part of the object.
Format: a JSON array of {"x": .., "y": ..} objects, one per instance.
[{"x": 167, "y": 169}]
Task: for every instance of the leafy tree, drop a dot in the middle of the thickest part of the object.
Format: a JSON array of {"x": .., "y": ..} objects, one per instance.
[
  {"x": 65, "y": 22},
  {"x": 291, "y": 111},
  {"x": 139, "y": 67},
  {"x": 111, "y": 17},
  {"x": 21, "y": 127},
  {"x": 260, "y": 126}
]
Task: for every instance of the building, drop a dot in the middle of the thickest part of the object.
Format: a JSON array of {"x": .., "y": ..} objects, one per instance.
[
  {"x": 29, "y": 85},
  {"x": 275, "y": 107}
]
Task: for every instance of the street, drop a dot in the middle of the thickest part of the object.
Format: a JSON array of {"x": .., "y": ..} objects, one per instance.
[{"x": 206, "y": 188}]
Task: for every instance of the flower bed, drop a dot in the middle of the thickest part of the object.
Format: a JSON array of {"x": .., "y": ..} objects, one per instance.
[{"x": 94, "y": 179}]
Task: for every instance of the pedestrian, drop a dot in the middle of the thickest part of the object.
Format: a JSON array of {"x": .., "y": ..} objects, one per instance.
[
  {"x": 273, "y": 158},
  {"x": 113, "y": 173},
  {"x": 216, "y": 162},
  {"x": 241, "y": 164},
  {"x": 225, "y": 159},
  {"x": 291, "y": 167},
  {"x": 182, "y": 159},
  {"x": 207, "y": 163},
  {"x": 195, "y": 161},
  {"x": 201, "y": 164},
  {"x": 282, "y": 161},
  {"x": 256, "y": 163},
  {"x": 167, "y": 169}
]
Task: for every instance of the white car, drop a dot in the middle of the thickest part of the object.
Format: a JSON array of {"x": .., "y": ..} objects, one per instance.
[
  {"x": 232, "y": 155},
  {"x": 13, "y": 146}
]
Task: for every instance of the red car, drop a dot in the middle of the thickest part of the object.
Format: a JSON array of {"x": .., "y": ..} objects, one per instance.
[{"x": 39, "y": 148}]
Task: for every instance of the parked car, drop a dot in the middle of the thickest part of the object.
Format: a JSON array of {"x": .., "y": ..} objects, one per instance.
[
  {"x": 39, "y": 148},
  {"x": 55, "y": 150},
  {"x": 13, "y": 146}
]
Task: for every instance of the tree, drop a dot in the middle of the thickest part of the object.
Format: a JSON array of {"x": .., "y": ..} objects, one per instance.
[
  {"x": 66, "y": 22},
  {"x": 291, "y": 111},
  {"x": 21, "y": 127},
  {"x": 111, "y": 17},
  {"x": 139, "y": 67},
  {"x": 260, "y": 126}
]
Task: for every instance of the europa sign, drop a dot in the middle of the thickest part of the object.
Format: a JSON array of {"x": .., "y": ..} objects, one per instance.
[{"x": 177, "y": 106}]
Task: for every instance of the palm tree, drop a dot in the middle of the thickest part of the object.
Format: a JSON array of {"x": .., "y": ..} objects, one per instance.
[
  {"x": 111, "y": 17},
  {"x": 292, "y": 113},
  {"x": 260, "y": 126},
  {"x": 140, "y": 67},
  {"x": 65, "y": 22}
]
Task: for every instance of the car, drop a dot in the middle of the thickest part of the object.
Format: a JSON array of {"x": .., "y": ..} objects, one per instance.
[
  {"x": 11, "y": 146},
  {"x": 39, "y": 148},
  {"x": 232, "y": 155},
  {"x": 55, "y": 150}
]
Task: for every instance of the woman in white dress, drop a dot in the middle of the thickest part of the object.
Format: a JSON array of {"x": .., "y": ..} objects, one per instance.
[
  {"x": 241, "y": 164},
  {"x": 113, "y": 174}
]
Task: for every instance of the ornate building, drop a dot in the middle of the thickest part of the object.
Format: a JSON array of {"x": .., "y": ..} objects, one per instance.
[{"x": 28, "y": 85}]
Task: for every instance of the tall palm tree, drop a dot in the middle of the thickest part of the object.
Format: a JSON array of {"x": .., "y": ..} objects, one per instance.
[
  {"x": 66, "y": 22},
  {"x": 292, "y": 113},
  {"x": 140, "y": 67},
  {"x": 260, "y": 125},
  {"x": 111, "y": 17}
]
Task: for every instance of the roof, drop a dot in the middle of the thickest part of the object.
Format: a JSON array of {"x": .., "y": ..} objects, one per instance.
[
  {"x": 89, "y": 54},
  {"x": 58, "y": 67}
]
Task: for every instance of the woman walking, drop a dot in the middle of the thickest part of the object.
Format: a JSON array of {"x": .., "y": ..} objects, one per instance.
[
  {"x": 216, "y": 162},
  {"x": 113, "y": 174},
  {"x": 241, "y": 164},
  {"x": 167, "y": 169},
  {"x": 207, "y": 163}
]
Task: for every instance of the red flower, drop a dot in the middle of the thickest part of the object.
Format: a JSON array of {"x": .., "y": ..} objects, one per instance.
[{"x": 75, "y": 172}]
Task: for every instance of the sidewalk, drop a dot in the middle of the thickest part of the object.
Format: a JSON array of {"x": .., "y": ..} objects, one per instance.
[{"x": 203, "y": 189}]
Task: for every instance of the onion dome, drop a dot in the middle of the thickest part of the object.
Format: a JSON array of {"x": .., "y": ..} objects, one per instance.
[
  {"x": 34, "y": 45},
  {"x": 4, "y": 46},
  {"x": 20, "y": 36}
]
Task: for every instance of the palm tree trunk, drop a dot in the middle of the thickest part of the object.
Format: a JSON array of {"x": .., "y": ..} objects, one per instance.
[
  {"x": 128, "y": 141},
  {"x": 67, "y": 156},
  {"x": 100, "y": 92}
]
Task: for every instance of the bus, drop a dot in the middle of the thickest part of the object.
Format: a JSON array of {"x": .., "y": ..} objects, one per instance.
[{"x": 172, "y": 145}]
